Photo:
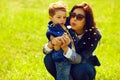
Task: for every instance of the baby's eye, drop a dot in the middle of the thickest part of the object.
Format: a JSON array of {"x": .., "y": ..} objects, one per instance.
[
  {"x": 64, "y": 17},
  {"x": 58, "y": 17}
]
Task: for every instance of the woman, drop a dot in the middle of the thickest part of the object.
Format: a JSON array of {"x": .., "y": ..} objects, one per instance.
[{"x": 85, "y": 37}]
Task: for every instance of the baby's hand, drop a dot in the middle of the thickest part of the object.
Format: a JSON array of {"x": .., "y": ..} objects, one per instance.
[
  {"x": 57, "y": 47},
  {"x": 57, "y": 43},
  {"x": 65, "y": 40}
]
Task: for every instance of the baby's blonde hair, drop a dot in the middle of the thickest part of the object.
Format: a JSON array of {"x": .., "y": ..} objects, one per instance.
[{"x": 55, "y": 7}]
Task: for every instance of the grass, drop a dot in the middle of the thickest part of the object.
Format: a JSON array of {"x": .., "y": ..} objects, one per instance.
[{"x": 23, "y": 24}]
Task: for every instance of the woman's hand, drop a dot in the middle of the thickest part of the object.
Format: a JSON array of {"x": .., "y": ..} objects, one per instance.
[
  {"x": 56, "y": 41},
  {"x": 61, "y": 42},
  {"x": 65, "y": 42}
]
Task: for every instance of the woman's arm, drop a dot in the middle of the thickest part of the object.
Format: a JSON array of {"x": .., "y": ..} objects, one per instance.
[
  {"x": 68, "y": 52},
  {"x": 48, "y": 48},
  {"x": 81, "y": 56},
  {"x": 72, "y": 56},
  {"x": 51, "y": 45}
]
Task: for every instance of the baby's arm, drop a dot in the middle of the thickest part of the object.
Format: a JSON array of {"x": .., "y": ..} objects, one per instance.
[{"x": 57, "y": 45}]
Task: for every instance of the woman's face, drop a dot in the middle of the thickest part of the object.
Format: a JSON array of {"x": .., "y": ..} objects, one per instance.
[{"x": 77, "y": 20}]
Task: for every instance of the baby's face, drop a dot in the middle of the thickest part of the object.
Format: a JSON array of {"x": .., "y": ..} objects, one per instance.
[{"x": 59, "y": 17}]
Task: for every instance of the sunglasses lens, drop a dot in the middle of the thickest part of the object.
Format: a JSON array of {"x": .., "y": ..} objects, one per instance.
[
  {"x": 80, "y": 17},
  {"x": 72, "y": 15}
]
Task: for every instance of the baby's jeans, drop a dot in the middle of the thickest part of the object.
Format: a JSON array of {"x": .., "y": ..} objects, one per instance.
[{"x": 63, "y": 70}]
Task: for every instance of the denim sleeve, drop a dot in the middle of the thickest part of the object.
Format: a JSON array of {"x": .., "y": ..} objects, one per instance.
[
  {"x": 82, "y": 56},
  {"x": 46, "y": 49},
  {"x": 72, "y": 56}
]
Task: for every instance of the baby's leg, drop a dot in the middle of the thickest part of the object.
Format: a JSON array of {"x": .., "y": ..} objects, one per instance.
[{"x": 63, "y": 70}]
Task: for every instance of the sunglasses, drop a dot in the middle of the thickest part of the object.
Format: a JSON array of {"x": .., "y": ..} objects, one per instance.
[{"x": 78, "y": 16}]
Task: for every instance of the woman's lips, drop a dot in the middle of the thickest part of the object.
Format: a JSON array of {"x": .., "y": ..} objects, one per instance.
[{"x": 73, "y": 24}]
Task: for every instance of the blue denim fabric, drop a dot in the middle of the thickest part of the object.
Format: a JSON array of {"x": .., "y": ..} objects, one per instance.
[
  {"x": 50, "y": 65},
  {"x": 56, "y": 30},
  {"x": 63, "y": 70},
  {"x": 82, "y": 71},
  {"x": 58, "y": 56}
]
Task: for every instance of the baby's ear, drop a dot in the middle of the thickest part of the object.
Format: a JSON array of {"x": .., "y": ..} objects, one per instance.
[{"x": 50, "y": 17}]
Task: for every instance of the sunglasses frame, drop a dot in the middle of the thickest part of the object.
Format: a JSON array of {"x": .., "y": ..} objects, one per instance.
[{"x": 78, "y": 16}]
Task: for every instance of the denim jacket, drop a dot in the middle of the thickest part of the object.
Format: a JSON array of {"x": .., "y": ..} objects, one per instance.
[
  {"x": 56, "y": 30},
  {"x": 86, "y": 46}
]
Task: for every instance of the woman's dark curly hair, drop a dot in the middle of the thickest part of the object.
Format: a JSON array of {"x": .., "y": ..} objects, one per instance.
[{"x": 91, "y": 31}]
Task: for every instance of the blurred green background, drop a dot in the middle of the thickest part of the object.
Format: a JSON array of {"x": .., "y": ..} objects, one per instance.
[{"x": 23, "y": 24}]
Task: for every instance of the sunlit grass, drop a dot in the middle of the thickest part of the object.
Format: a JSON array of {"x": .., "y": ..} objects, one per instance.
[{"x": 23, "y": 24}]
